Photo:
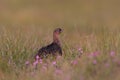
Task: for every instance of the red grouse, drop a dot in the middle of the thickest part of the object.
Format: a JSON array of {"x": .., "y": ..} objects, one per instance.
[{"x": 53, "y": 48}]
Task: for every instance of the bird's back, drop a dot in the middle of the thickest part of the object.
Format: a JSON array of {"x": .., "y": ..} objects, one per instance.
[{"x": 52, "y": 48}]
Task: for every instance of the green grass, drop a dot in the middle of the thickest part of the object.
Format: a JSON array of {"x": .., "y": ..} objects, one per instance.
[
  {"x": 25, "y": 26},
  {"x": 17, "y": 47}
]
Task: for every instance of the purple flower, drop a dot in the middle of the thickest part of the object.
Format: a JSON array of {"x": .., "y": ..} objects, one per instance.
[
  {"x": 54, "y": 62},
  {"x": 58, "y": 71},
  {"x": 35, "y": 63},
  {"x": 112, "y": 53},
  {"x": 94, "y": 61},
  {"x": 95, "y": 54},
  {"x": 27, "y": 62},
  {"x": 37, "y": 57},
  {"x": 74, "y": 62},
  {"x": 40, "y": 61},
  {"x": 80, "y": 50}
]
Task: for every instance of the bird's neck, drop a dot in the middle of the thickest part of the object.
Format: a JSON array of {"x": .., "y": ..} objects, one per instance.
[{"x": 56, "y": 38}]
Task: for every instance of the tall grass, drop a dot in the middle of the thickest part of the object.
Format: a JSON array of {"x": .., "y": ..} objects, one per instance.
[
  {"x": 99, "y": 60},
  {"x": 90, "y": 39}
]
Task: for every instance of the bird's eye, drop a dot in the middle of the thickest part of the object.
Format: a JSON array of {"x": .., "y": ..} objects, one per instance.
[{"x": 60, "y": 30}]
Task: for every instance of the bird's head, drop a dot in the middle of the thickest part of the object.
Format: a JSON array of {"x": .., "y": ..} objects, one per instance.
[{"x": 58, "y": 30}]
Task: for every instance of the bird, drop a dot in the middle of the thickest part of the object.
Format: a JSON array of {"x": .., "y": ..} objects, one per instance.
[{"x": 54, "y": 48}]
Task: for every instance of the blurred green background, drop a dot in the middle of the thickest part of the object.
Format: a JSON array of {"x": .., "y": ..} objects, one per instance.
[{"x": 64, "y": 13}]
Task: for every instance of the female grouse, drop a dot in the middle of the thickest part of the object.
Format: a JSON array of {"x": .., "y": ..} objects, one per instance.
[{"x": 53, "y": 48}]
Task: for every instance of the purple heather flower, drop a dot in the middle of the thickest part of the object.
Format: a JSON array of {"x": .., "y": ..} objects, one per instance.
[
  {"x": 54, "y": 62},
  {"x": 37, "y": 57},
  {"x": 80, "y": 50},
  {"x": 74, "y": 62},
  {"x": 58, "y": 71},
  {"x": 94, "y": 61},
  {"x": 40, "y": 61},
  {"x": 35, "y": 63},
  {"x": 112, "y": 53},
  {"x": 95, "y": 54},
  {"x": 27, "y": 62}
]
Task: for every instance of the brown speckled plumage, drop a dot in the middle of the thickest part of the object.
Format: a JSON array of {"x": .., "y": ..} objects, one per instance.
[{"x": 53, "y": 48}]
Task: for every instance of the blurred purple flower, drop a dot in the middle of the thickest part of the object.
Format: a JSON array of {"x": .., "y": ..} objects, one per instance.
[
  {"x": 40, "y": 61},
  {"x": 35, "y": 63},
  {"x": 94, "y": 54},
  {"x": 58, "y": 71},
  {"x": 27, "y": 63},
  {"x": 112, "y": 53},
  {"x": 54, "y": 62},
  {"x": 80, "y": 50},
  {"x": 74, "y": 62},
  {"x": 94, "y": 61},
  {"x": 37, "y": 57}
]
